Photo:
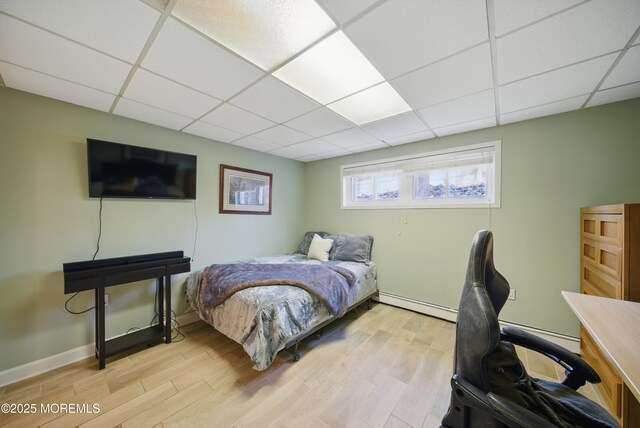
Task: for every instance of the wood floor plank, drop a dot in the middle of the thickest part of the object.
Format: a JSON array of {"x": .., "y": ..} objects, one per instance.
[{"x": 384, "y": 367}]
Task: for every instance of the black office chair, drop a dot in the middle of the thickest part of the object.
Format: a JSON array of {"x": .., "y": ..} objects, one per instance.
[{"x": 490, "y": 387}]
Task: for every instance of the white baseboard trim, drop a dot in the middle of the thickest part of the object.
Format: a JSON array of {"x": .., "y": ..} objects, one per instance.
[
  {"x": 449, "y": 314},
  {"x": 16, "y": 374}
]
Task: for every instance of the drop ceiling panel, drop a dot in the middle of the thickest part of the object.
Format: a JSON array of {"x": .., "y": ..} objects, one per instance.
[
  {"x": 465, "y": 109},
  {"x": 556, "y": 85},
  {"x": 513, "y": 14},
  {"x": 411, "y": 138},
  {"x": 39, "y": 50},
  {"x": 466, "y": 127},
  {"x": 155, "y": 116},
  {"x": 402, "y": 124},
  {"x": 256, "y": 144},
  {"x": 282, "y": 135},
  {"x": 239, "y": 120},
  {"x": 266, "y": 33},
  {"x": 402, "y": 35},
  {"x": 52, "y": 87},
  {"x": 612, "y": 95},
  {"x": 334, "y": 153},
  {"x": 156, "y": 91},
  {"x": 116, "y": 27},
  {"x": 319, "y": 122},
  {"x": 544, "y": 110},
  {"x": 181, "y": 54},
  {"x": 274, "y": 100},
  {"x": 463, "y": 74},
  {"x": 288, "y": 152},
  {"x": 626, "y": 71},
  {"x": 370, "y": 146},
  {"x": 309, "y": 158},
  {"x": 350, "y": 138},
  {"x": 342, "y": 10},
  {"x": 315, "y": 146},
  {"x": 212, "y": 132},
  {"x": 591, "y": 29}
]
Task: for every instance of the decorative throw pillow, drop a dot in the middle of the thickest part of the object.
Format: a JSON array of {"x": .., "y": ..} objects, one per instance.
[
  {"x": 353, "y": 248},
  {"x": 319, "y": 248},
  {"x": 303, "y": 248}
]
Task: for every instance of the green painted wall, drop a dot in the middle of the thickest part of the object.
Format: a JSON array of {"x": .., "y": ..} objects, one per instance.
[
  {"x": 551, "y": 167},
  {"x": 47, "y": 219}
]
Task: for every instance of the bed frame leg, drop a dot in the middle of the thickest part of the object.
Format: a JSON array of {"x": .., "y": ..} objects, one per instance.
[
  {"x": 369, "y": 304},
  {"x": 296, "y": 354}
]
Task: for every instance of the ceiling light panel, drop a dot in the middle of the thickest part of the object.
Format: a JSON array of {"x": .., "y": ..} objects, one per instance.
[
  {"x": 157, "y": 91},
  {"x": 332, "y": 69},
  {"x": 401, "y": 35},
  {"x": 586, "y": 31},
  {"x": 39, "y": 50},
  {"x": 204, "y": 65},
  {"x": 237, "y": 119},
  {"x": 371, "y": 104},
  {"x": 267, "y": 33},
  {"x": 52, "y": 87},
  {"x": 117, "y": 27},
  {"x": 274, "y": 100}
]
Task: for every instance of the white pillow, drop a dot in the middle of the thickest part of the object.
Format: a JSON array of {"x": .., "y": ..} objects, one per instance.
[{"x": 319, "y": 248}]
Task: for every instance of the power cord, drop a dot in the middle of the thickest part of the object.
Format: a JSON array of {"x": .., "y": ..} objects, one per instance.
[{"x": 66, "y": 307}]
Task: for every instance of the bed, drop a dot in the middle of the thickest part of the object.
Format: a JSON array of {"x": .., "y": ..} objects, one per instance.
[{"x": 268, "y": 319}]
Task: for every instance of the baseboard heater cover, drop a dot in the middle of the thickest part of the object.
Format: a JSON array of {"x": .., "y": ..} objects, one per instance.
[{"x": 450, "y": 314}]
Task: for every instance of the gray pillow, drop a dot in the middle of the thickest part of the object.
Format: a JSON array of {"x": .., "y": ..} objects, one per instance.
[
  {"x": 303, "y": 248},
  {"x": 352, "y": 248}
]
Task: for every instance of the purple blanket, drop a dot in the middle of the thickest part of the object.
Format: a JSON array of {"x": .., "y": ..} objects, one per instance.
[{"x": 329, "y": 283}]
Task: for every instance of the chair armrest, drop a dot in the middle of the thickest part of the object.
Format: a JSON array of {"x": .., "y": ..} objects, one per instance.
[
  {"x": 577, "y": 370},
  {"x": 498, "y": 407}
]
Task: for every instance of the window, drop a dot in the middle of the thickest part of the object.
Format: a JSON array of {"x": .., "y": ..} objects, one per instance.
[{"x": 461, "y": 177}]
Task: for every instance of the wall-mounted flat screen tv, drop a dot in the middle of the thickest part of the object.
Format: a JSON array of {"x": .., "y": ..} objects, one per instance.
[{"x": 124, "y": 171}]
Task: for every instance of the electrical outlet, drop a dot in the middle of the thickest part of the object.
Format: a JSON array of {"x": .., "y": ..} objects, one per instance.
[
  {"x": 512, "y": 294},
  {"x": 106, "y": 300}
]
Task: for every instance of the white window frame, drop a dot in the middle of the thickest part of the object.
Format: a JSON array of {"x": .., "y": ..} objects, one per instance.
[{"x": 407, "y": 180}]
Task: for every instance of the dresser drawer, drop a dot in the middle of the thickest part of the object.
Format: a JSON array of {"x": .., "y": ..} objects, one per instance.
[
  {"x": 605, "y": 257},
  {"x": 611, "y": 385},
  {"x": 596, "y": 283},
  {"x": 608, "y": 228}
]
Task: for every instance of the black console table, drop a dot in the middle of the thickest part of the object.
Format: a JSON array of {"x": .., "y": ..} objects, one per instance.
[{"x": 100, "y": 274}]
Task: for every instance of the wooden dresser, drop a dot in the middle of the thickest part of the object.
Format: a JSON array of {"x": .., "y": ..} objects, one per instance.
[{"x": 609, "y": 267}]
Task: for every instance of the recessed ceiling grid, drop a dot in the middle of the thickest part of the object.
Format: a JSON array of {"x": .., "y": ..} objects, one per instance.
[{"x": 454, "y": 66}]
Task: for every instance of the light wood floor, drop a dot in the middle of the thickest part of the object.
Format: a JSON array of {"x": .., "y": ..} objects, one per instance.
[{"x": 386, "y": 367}]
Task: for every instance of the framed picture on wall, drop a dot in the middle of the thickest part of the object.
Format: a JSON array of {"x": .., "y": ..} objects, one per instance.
[{"x": 244, "y": 191}]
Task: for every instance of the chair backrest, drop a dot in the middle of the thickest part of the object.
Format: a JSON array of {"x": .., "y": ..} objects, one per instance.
[{"x": 477, "y": 329}]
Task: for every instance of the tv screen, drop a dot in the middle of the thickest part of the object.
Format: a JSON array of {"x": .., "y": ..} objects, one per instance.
[{"x": 124, "y": 171}]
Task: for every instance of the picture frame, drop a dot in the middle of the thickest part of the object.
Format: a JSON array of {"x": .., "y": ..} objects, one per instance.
[{"x": 245, "y": 191}]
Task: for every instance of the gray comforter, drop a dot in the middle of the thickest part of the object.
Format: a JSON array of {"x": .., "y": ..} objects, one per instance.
[{"x": 264, "y": 319}]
